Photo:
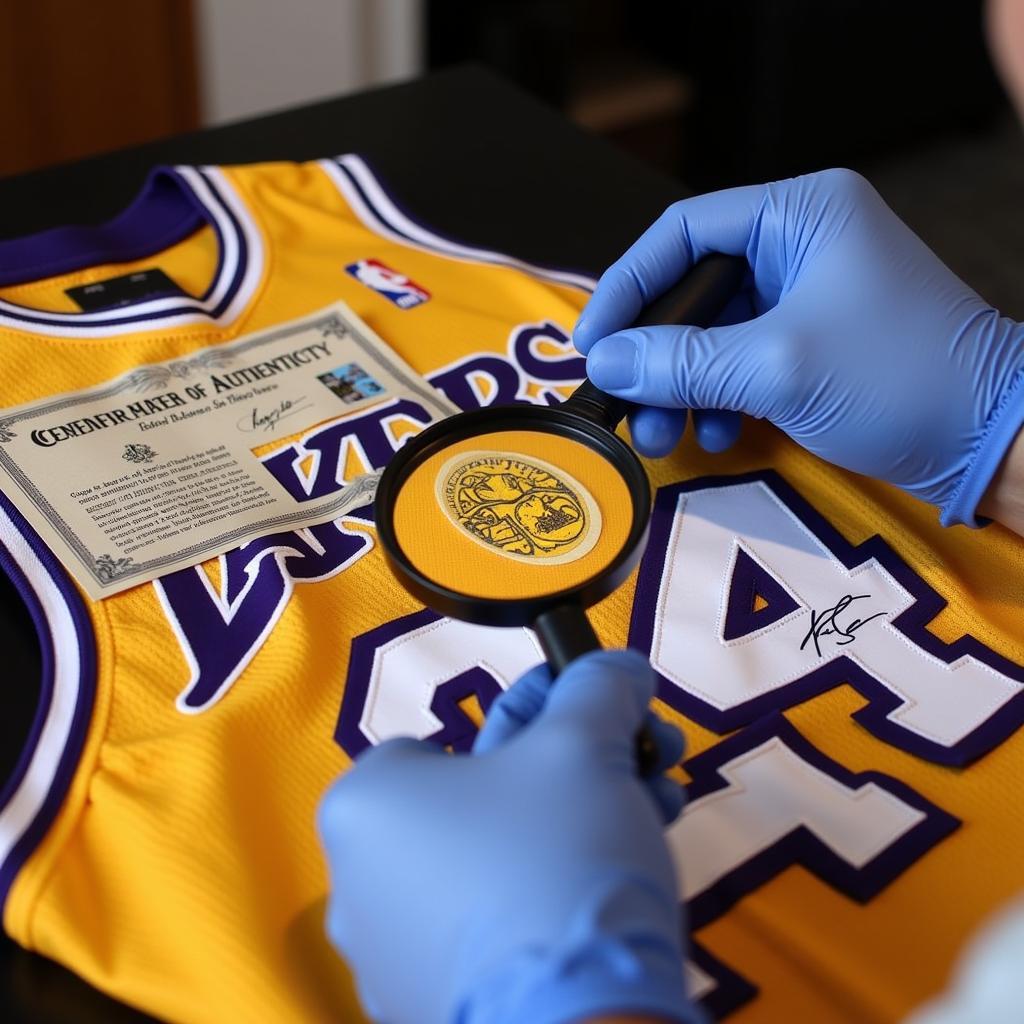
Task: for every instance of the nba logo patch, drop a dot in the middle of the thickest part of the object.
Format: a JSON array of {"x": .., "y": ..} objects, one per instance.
[{"x": 387, "y": 282}]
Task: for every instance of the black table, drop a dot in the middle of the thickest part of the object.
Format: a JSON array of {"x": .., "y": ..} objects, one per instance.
[{"x": 470, "y": 155}]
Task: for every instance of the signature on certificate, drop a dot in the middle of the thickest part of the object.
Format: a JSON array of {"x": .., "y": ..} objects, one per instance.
[
  {"x": 266, "y": 419},
  {"x": 832, "y": 622}
]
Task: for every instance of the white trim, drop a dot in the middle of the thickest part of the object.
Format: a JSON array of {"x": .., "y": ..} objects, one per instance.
[
  {"x": 384, "y": 218},
  {"x": 99, "y": 324},
  {"x": 26, "y": 802}
]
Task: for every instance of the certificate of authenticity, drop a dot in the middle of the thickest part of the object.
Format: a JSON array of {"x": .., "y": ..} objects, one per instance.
[{"x": 156, "y": 471}]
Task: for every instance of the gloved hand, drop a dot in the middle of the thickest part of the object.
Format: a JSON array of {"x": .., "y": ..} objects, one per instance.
[
  {"x": 865, "y": 348},
  {"x": 528, "y": 881}
]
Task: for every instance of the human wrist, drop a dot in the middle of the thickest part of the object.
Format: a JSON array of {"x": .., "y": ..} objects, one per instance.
[
  {"x": 1004, "y": 498},
  {"x": 607, "y": 978},
  {"x": 973, "y": 493},
  {"x": 620, "y": 954}
]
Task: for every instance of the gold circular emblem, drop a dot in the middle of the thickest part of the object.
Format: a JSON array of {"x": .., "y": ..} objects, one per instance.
[{"x": 521, "y": 508}]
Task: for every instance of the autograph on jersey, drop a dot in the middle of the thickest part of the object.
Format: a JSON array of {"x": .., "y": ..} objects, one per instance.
[{"x": 522, "y": 508}]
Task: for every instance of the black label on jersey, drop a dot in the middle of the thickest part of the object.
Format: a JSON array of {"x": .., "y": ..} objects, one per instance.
[{"x": 123, "y": 290}]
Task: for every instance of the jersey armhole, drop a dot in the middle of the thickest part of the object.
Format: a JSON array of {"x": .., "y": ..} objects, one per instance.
[
  {"x": 380, "y": 212},
  {"x": 34, "y": 793}
]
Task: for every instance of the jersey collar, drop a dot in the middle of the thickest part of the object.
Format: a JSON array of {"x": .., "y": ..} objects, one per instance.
[{"x": 174, "y": 203}]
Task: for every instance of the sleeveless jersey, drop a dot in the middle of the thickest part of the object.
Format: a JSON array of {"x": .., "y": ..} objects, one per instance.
[{"x": 850, "y": 677}]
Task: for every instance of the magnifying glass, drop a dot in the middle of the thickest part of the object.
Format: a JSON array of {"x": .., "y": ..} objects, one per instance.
[{"x": 526, "y": 515}]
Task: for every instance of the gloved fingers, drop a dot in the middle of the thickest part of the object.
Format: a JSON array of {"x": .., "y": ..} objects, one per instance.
[
  {"x": 342, "y": 808},
  {"x": 602, "y": 696},
  {"x": 686, "y": 231},
  {"x": 668, "y": 795},
  {"x": 716, "y": 429},
  {"x": 668, "y": 741},
  {"x": 336, "y": 926},
  {"x": 343, "y": 932},
  {"x": 683, "y": 367},
  {"x": 656, "y": 432},
  {"x": 514, "y": 709}
]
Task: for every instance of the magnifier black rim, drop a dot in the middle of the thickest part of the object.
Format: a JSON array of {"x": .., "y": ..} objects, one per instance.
[{"x": 491, "y": 611}]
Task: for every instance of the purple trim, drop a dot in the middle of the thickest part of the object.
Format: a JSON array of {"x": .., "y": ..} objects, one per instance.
[
  {"x": 419, "y": 222},
  {"x": 748, "y": 581},
  {"x": 731, "y": 989},
  {"x": 243, "y": 248},
  {"x": 912, "y": 623},
  {"x": 347, "y": 733},
  {"x": 69, "y": 759},
  {"x": 221, "y": 646},
  {"x": 458, "y": 730},
  {"x": 155, "y": 208},
  {"x": 162, "y": 214},
  {"x": 568, "y": 369},
  {"x": 15, "y": 574},
  {"x": 801, "y": 846}
]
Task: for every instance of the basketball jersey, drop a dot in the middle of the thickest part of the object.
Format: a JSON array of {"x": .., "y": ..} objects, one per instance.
[{"x": 849, "y": 676}]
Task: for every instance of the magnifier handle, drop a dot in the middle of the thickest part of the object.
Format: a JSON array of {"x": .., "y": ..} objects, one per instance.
[
  {"x": 697, "y": 298},
  {"x": 565, "y": 633}
]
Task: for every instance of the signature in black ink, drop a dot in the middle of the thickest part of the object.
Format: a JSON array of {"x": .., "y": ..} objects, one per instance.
[
  {"x": 257, "y": 420},
  {"x": 827, "y": 623}
]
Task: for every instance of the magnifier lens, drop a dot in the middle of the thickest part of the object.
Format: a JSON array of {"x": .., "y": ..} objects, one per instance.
[{"x": 513, "y": 514}]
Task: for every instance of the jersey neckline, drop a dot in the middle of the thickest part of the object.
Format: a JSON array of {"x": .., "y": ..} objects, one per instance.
[{"x": 173, "y": 204}]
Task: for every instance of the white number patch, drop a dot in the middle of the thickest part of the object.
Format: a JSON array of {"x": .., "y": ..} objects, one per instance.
[
  {"x": 406, "y": 678},
  {"x": 765, "y": 799},
  {"x": 748, "y": 602}
]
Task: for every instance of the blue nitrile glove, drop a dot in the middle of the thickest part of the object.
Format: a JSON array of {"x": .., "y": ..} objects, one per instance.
[
  {"x": 528, "y": 881},
  {"x": 865, "y": 348}
]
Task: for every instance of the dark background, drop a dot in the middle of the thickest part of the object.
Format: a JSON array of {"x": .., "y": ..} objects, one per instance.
[
  {"x": 749, "y": 90},
  {"x": 725, "y": 93}
]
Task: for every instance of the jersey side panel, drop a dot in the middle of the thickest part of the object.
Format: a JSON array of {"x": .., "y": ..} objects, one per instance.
[{"x": 44, "y": 800}]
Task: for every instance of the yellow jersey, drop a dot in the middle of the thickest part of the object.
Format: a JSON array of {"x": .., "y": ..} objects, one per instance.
[{"x": 848, "y": 674}]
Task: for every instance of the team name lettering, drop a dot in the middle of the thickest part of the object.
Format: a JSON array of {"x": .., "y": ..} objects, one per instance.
[{"x": 220, "y": 629}]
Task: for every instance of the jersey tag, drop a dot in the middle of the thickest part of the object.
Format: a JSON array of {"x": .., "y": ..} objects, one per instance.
[
  {"x": 395, "y": 287},
  {"x": 123, "y": 290}
]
